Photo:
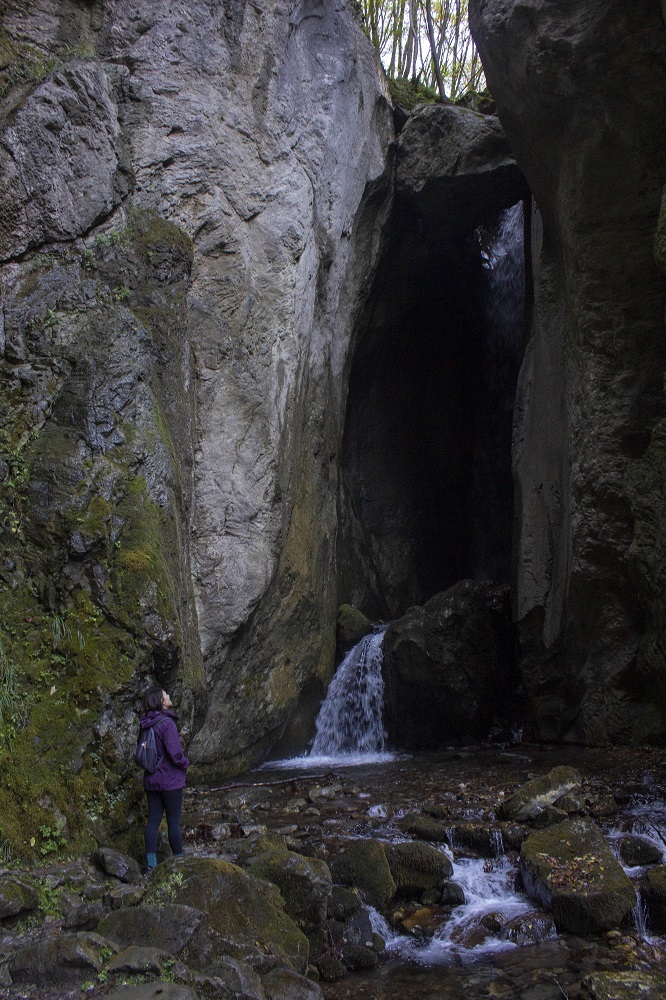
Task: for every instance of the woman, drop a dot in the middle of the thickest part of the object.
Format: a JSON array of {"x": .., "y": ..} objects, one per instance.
[{"x": 164, "y": 788}]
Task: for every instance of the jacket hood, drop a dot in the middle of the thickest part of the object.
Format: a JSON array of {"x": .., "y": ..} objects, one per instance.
[{"x": 156, "y": 716}]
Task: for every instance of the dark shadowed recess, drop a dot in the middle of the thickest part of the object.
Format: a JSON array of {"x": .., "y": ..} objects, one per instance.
[{"x": 426, "y": 495}]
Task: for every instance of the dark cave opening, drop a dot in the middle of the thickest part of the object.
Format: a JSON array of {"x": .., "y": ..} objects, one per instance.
[{"x": 426, "y": 495}]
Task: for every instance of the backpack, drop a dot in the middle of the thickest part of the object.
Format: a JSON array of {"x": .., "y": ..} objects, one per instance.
[{"x": 146, "y": 754}]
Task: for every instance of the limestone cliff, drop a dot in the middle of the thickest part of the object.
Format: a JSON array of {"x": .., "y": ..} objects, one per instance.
[
  {"x": 192, "y": 198},
  {"x": 582, "y": 96}
]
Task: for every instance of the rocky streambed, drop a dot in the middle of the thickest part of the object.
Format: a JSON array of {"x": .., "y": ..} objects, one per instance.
[{"x": 486, "y": 871}]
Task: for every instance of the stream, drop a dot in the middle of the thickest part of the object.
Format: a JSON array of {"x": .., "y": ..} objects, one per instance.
[
  {"x": 350, "y": 785},
  {"x": 319, "y": 809}
]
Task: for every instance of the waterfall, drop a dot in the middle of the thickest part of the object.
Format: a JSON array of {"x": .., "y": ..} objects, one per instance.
[{"x": 350, "y": 720}]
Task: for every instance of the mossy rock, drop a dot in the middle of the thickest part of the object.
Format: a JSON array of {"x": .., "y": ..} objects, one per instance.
[
  {"x": 623, "y": 986},
  {"x": 352, "y": 627},
  {"x": 423, "y": 827},
  {"x": 569, "y": 869},
  {"x": 245, "y": 916},
  {"x": 417, "y": 868},
  {"x": 343, "y": 903},
  {"x": 654, "y": 893},
  {"x": 636, "y": 851},
  {"x": 305, "y": 884},
  {"x": 258, "y": 844},
  {"x": 660, "y": 236},
  {"x": 365, "y": 866},
  {"x": 16, "y": 897},
  {"x": 167, "y": 926},
  {"x": 532, "y": 798}
]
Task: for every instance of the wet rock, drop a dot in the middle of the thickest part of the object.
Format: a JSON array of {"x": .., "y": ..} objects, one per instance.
[
  {"x": 458, "y": 648},
  {"x": 452, "y": 894},
  {"x": 532, "y": 798},
  {"x": 243, "y": 917},
  {"x": 356, "y": 957},
  {"x": 119, "y": 865},
  {"x": 424, "y": 921},
  {"x": 283, "y": 984},
  {"x": 331, "y": 968},
  {"x": 654, "y": 894},
  {"x": 481, "y": 838},
  {"x": 357, "y": 929},
  {"x": 572, "y": 802},
  {"x": 16, "y": 897},
  {"x": 352, "y": 626},
  {"x": 623, "y": 986},
  {"x": 327, "y": 792},
  {"x": 305, "y": 883},
  {"x": 417, "y": 868},
  {"x": 168, "y": 926},
  {"x": 639, "y": 851},
  {"x": 139, "y": 960},
  {"x": 62, "y": 960},
  {"x": 423, "y": 827},
  {"x": 343, "y": 903},
  {"x": 548, "y": 816},
  {"x": 570, "y": 870},
  {"x": 365, "y": 866},
  {"x": 601, "y": 806},
  {"x": 529, "y": 928}
]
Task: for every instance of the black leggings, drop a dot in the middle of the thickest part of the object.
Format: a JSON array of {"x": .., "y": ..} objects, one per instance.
[{"x": 158, "y": 803}]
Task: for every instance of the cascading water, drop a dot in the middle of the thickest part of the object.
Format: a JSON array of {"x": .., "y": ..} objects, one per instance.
[
  {"x": 351, "y": 717},
  {"x": 350, "y": 724}
]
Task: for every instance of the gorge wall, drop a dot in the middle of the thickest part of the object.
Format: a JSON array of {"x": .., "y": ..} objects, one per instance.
[
  {"x": 192, "y": 197},
  {"x": 243, "y": 375},
  {"x": 581, "y": 94}
]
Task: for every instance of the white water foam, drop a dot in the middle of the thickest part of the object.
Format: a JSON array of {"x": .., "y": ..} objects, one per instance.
[{"x": 489, "y": 889}]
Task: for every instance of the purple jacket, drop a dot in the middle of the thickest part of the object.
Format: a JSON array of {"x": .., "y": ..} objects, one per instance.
[{"x": 170, "y": 775}]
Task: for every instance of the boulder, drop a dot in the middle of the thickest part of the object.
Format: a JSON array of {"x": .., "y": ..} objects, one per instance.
[
  {"x": 529, "y": 928},
  {"x": 458, "y": 649},
  {"x": 569, "y": 869},
  {"x": 417, "y": 868},
  {"x": 305, "y": 884},
  {"x": 352, "y": 627},
  {"x": 343, "y": 903},
  {"x": 228, "y": 978},
  {"x": 452, "y": 894},
  {"x": 168, "y": 926},
  {"x": 654, "y": 894},
  {"x": 423, "y": 827},
  {"x": 357, "y": 957},
  {"x": 257, "y": 844},
  {"x": 364, "y": 865},
  {"x": 636, "y": 850},
  {"x": 119, "y": 865},
  {"x": 141, "y": 961},
  {"x": 284, "y": 984},
  {"x": 232, "y": 915},
  {"x": 331, "y": 968},
  {"x": 16, "y": 897},
  {"x": 79, "y": 914},
  {"x": 532, "y": 798},
  {"x": 64, "y": 960},
  {"x": 623, "y": 986},
  {"x": 456, "y": 168}
]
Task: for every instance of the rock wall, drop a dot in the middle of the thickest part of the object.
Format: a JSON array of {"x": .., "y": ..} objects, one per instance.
[
  {"x": 192, "y": 201},
  {"x": 581, "y": 94}
]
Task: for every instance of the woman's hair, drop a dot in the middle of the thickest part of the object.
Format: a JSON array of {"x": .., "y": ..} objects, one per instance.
[{"x": 152, "y": 700}]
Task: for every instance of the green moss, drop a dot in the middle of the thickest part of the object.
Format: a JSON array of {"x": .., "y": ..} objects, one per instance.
[{"x": 409, "y": 93}]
